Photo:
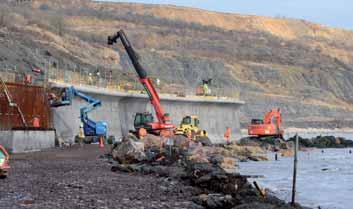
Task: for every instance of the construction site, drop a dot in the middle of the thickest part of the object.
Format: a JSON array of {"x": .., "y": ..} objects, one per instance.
[
  {"x": 108, "y": 105},
  {"x": 84, "y": 141}
]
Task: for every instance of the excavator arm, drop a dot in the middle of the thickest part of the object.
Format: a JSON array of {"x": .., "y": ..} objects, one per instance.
[
  {"x": 274, "y": 114},
  {"x": 162, "y": 116}
]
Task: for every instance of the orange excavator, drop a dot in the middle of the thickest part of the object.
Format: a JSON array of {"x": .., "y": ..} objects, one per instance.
[{"x": 269, "y": 126}]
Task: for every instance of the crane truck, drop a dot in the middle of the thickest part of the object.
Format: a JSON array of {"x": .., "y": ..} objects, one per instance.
[
  {"x": 145, "y": 121},
  {"x": 269, "y": 126},
  {"x": 93, "y": 130},
  {"x": 4, "y": 162}
]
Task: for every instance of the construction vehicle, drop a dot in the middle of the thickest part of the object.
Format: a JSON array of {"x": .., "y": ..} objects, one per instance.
[
  {"x": 93, "y": 130},
  {"x": 269, "y": 126},
  {"x": 145, "y": 121},
  {"x": 4, "y": 162},
  {"x": 189, "y": 126},
  {"x": 204, "y": 88}
]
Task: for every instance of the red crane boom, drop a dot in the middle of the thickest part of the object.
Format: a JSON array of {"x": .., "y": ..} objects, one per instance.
[{"x": 164, "y": 122}]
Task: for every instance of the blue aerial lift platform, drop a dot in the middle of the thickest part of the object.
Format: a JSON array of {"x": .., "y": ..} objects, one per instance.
[{"x": 91, "y": 128}]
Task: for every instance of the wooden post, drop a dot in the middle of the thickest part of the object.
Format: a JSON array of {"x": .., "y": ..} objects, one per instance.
[
  {"x": 296, "y": 145},
  {"x": 262, "y": 193}
]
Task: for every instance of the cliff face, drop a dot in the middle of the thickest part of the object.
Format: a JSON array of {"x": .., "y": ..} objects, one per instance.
[{"x": 302, "y": 67}]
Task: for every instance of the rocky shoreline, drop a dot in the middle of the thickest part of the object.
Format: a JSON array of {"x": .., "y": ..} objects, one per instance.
[
  {"x": 273, "y": 144},
  {"x": 156, "y": 178},
  {"x": 323, "y": 142},
  {"x": 210, "y": 171}
]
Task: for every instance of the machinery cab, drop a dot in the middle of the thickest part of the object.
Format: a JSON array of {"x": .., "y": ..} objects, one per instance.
[
  {"x": 191, "y": 121},
  {"x": 66, "y": 97},
  {"x": 143, "y": 120},
  {"x": 98, "y": 129},
  {"x": 101, "y": 128},
  {"x": 257, "y": 121}
]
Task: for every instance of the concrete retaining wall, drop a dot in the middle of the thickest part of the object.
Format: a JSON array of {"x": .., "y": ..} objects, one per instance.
[
  {"x": 19, "y": 141},
  {"x": 119, "y": 109}
]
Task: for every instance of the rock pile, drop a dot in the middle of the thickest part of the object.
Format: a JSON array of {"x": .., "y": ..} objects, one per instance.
[
  {"x": 129, "y": 150},
  {"x": 272, "y": 144},
  {"x": 210, "y": 170},
  {"x": 324, "y": 142}
]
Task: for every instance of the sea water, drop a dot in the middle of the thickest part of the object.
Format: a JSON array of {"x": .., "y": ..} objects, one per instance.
[{"x": 324, "y": 177}]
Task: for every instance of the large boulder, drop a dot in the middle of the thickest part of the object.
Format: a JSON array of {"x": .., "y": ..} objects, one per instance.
[
  {"x": 197, "y": 153},
  {"x": 181, "y": 142},
  {"x": 244, "y": 152},
  {"x": 287, "y": 152},
  {"x": 229, "y": 164},
  {"x": 211, "y": 176},
  {"x": 211, "y": 155},
  {"x": 129, "y": 150},
  {"x": 152, "y": 141},
  {"x": 214, "y": 201}
]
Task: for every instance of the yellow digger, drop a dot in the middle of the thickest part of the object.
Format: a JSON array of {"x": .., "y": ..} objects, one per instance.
[{"x": 189, "y": 127}]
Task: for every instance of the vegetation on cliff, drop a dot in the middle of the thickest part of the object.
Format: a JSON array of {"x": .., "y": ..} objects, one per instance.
[{"x": 302, "y": 67}]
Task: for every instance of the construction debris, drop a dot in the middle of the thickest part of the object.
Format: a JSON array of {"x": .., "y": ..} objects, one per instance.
[
  {"x": 129, "y": 150},
  {"x": 209, "y": 169},
  {"x": 272, "y": 144},
  {"x": 324, "y": 142}
]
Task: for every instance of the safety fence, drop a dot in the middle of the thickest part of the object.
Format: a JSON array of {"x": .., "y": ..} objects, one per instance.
[{"x": 105, "y": 79}]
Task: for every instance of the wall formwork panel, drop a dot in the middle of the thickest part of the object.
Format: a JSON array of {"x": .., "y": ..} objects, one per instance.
[
  {"x": 33, "y": 102},
  {"x": 118, "y": 109}
]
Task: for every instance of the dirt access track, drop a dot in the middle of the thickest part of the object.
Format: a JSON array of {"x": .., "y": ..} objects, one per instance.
[{"x": 80, "y": 178}]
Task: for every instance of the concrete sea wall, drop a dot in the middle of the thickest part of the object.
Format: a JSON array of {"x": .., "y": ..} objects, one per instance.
[
  {"x": 18, "y": 141},
  {"x": 119, "y": 108}
]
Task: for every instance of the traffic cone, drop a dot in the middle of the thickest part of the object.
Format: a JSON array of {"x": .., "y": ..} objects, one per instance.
[{"x": 101, "y": 142}]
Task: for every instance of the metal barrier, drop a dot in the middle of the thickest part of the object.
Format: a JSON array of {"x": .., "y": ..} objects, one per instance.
[{"x": 104, "y": 79}]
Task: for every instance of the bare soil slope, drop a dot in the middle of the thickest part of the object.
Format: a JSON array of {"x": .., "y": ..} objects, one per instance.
[{"x": 302, "y": 67}]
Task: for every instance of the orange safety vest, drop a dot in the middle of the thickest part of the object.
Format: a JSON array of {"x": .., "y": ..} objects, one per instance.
[
  {"x": 28, "y": 79},
  {"x": 36, "y": 122},
  {"x": 227, "y": 134},
  {"x": 142, "y": 133}
]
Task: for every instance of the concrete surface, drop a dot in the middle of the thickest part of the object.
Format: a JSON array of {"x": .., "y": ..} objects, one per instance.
[
  {"x": 19, "y": 141},
  {"x": 119, "y": 108}
]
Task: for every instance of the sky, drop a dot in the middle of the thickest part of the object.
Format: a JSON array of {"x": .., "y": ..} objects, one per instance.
[{"x": 334, "y": 13}]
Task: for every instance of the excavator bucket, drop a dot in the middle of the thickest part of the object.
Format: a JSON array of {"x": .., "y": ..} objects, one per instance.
[{"x": 4, "y": 162}]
